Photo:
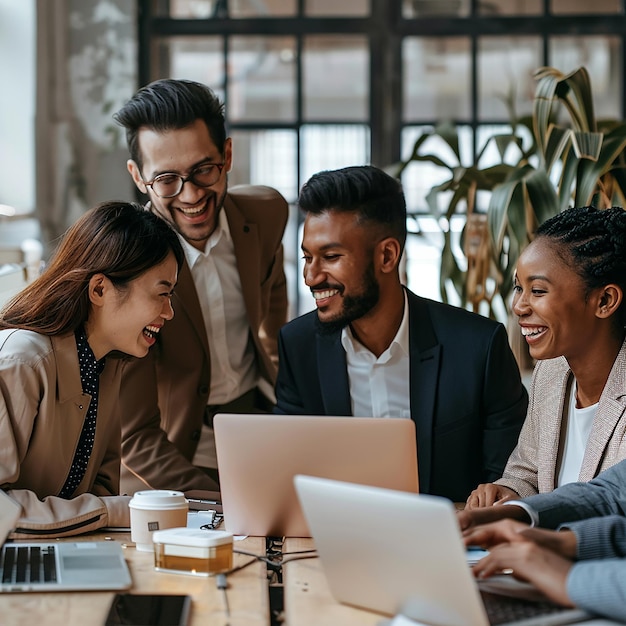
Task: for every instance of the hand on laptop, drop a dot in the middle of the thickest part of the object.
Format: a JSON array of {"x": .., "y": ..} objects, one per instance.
[
  {"x": 529, "y": 562},
  {"x": 469, "y": 518},
  {"x": 488, "y": 494},
  {"x": 488, "y": 536}
]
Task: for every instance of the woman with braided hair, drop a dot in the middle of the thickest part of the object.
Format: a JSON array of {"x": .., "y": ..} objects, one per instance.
[{"x": 569, "y": 299}]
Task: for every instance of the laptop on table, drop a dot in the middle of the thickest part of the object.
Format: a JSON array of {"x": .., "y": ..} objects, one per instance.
[
  {"x": 57, "y": 565},
  {"x": 259, "y": 454},
  {"x": 415, "y": 564}
]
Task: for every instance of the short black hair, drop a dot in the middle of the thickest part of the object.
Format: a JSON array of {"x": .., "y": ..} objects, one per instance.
[
  {"x": 370, "y": 192},
  {"x": 169, "y": 104}
]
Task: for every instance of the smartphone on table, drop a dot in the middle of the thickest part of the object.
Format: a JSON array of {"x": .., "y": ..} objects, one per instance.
[{"x": 133, "y": 609}]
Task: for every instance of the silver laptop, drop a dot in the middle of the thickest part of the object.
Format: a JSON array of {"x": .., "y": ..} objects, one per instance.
[
  {"x": 415, "y": 564},
  {"x": 57, "y": 566},
  {"x": 258, "y": 455}
]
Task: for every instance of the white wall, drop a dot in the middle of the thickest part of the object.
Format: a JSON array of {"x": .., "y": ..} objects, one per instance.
[{"x": 17, "y": 103}]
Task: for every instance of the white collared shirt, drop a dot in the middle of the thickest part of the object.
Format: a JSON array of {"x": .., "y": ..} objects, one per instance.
[
  {"x": 233, "y": 366},
  {"x": 379, "y": 387},
  {"x": 215, "y": 275}
]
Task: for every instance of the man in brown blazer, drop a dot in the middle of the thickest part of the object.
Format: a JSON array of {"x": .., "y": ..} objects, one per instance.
[{"x": 220, "y": 353}]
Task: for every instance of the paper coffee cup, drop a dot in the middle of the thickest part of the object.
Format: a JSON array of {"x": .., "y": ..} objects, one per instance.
[{"x": 155, "y": 510}]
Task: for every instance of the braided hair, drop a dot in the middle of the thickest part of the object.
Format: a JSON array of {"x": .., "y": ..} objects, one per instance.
[{"x": 593, "y": 242}]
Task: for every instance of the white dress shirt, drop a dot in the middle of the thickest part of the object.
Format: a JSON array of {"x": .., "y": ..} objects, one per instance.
[
  {"x": 379, "y": 387},
  {"x": 233, "y": 365}
]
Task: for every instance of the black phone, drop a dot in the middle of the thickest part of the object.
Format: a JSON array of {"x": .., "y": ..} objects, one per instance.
[{"x": 134, "y": 609}]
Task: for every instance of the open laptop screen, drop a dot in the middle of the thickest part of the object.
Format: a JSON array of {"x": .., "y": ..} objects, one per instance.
[
  {"x": 259, "y": 454},
  {"x": 416, "y": 564}
]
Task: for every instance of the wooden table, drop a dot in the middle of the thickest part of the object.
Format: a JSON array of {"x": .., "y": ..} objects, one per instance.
[
  {"x": 247, "y": 593},
  {"x": 308, "y": 601}
]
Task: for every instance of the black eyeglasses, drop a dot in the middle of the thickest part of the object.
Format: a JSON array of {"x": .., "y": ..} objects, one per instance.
[{"x": 169, "y": 184}]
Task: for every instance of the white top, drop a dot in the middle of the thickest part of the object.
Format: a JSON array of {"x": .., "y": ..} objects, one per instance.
[
  {"x": 233, "y": 365},
  {"x": 578, "y": 424},
  {"x": 379, "y": 387}
]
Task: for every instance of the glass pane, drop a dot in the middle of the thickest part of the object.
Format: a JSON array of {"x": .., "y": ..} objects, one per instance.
[
  {"x": 266, "y": 157},
  {"x": 335, "y": 78},
  {"x": 261, "y": 79},
  {"x": 420, "y": 177},
  {"x": 264, "y": 8},
  {"x": 422, "y": 254},
  {"x": 331, "y": 147},
  {"x": 505, "y": 72},
  {"x": 583, "y": 6},
  {"x": 602, "y": 58},
  {"x": 18, "y": 112},
  {"x": 195, "y": 58},
  {"x": 332, "y": 7},
  {"x": 490, "y": 154},
  {"x": 436, "y": 78},
  {"x": 510, "y": 7},
  {"x": 202, "y": 9},
  {"x": 435, "y": 8}
]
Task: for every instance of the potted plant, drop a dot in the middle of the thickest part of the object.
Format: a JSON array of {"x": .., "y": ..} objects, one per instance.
[
  {"x": 573, "y": 160},
  {"x": 579, "y": 161}
]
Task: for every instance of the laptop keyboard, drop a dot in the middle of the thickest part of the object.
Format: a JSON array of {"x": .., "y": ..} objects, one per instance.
[
  {"x": 28, "y": 564},
  {"x": 504, "y": 609}
]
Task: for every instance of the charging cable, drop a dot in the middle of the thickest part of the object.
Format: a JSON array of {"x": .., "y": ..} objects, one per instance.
[{"x": 222, "y": 583}]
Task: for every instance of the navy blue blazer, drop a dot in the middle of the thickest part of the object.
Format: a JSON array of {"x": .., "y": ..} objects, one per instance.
[{"x": 467, "y": 399}]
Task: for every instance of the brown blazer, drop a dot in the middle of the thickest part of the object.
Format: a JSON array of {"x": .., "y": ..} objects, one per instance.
[
  {"x": 42, "y": 410},
  {"x": 532, "y": 466},
  {"x": 164, "y": 395}
]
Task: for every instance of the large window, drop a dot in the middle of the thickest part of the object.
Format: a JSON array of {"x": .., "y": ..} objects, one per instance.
[
  {"x": 17, "y": 107},
  {"x": 318, "y": 84}
]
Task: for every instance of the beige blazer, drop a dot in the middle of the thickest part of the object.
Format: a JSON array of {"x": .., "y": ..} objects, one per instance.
[
  {"x": 164, "y": 395},
  {"x": 532, "y": 467},
  {"x": 42, "y": 410}
]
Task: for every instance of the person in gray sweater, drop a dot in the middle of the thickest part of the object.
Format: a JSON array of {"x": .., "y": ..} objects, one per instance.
[{"x": 580, "y": 561}]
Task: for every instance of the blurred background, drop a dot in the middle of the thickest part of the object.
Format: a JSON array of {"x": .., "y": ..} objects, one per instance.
[{"x": 308, "y": 85}]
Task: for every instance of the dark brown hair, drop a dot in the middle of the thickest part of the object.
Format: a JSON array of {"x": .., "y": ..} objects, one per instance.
[{"x": 118, "y": 239}]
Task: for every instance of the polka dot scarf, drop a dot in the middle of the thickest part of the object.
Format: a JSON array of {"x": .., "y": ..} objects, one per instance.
[{"x": 90, "y": 371}]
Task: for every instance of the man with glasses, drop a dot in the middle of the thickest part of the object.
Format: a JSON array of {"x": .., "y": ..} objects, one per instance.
[{"x": 219, "y": 353}]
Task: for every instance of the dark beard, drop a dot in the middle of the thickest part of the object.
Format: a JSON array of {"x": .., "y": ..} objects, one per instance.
[{"x": 354, "y": 307}]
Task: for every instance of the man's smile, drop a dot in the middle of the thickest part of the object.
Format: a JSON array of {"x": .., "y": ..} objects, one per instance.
[
  {"x": 321, "y": 295},
  {"x": 193, "y": 211}
]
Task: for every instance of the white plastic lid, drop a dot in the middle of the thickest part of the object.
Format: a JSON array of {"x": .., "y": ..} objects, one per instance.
[
  {"x": 192, "y": 537},
  {"x": 159, "y": 499}
]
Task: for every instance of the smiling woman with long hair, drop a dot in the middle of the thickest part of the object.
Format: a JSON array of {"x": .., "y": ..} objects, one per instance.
[{"x": 105, "y": 294}]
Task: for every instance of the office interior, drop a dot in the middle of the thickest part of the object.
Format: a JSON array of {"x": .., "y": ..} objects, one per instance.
[{"x": 308, "y": 85}]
